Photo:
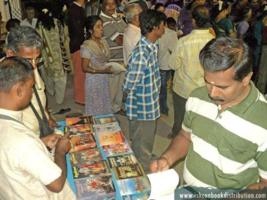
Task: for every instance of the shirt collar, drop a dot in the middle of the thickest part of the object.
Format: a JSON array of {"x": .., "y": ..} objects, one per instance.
[
  {"x": 149, "y": 44},
  {"x": 114, "y": 16},
  {"x": 14, "y": 114},
  {"x": 136, "y": 28}
]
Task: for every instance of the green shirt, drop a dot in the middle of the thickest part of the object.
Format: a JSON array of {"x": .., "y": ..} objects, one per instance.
[{"x": 228, "y": 148}]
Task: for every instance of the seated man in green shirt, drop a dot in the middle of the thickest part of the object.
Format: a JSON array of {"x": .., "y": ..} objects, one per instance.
[{"x": 224, "y": 132}]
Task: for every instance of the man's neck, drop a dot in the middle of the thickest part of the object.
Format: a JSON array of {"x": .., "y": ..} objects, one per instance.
[
  {"x": 151, "y": 37},
  {"x": 7, "y": 105}
]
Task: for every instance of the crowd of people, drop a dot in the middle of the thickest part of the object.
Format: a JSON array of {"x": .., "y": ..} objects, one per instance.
[{"x": 123, "y": 57}]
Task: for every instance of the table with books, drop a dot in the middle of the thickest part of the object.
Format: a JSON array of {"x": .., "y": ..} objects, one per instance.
[{"x": 101, "y": 164}]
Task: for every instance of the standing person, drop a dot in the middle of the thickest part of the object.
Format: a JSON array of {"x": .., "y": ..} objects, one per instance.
[
  {"x": 224, "y": 133},
  {"x": 26, "y": 167},
  {"x": 30, "y": 19},
  {"x": 95, "y": 54},
  {"x": 132, "y": 32},
  {"x": 113, "y": 32},
  {"x": 24, "y": 41},
  {"x": 166, "y": 48},
  {"x": 184, "y": 61},
  {"x": 76, "y": 22},
  {"x": 142, "y": 86}
]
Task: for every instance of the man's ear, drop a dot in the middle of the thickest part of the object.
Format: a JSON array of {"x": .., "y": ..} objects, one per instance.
[
  {"x": 10, "y": 53},
  {"x": 247, "y": 79}
]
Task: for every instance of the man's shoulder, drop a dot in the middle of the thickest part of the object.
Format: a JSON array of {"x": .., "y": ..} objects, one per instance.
[{"x": 200, "y": 92}]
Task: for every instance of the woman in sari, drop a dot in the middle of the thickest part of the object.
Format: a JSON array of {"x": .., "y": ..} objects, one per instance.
[{"x": 95, "y": 54}]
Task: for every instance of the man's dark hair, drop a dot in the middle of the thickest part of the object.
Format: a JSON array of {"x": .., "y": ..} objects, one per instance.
[
  {"x": 201, "y": 16},
  {"x": 12, "y": 23},
  {"x": 23, "y": 36},
  {"x": 158, "y": 5},
  {"x": 223, "y": 53},
  {"x": 150, "y": 19},
  {"x": 14, "y": 70}
]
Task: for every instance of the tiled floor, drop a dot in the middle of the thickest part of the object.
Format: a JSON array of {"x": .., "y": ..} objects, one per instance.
[{"x": 164, "y": 123}]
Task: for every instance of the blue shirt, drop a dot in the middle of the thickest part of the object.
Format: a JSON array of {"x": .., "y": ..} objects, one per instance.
[{"x": 142, "y": 82}]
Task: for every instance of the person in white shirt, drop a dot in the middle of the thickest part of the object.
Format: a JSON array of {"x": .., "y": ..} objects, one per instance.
[
  {"x": 30, "y": 19},
  {"x": 132, "y": 32},
  {"x": 27, "y": 169},
  {"x": 167, "y": 45}
]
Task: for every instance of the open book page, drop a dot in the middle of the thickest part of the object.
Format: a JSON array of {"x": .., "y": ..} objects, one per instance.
[{"x": 163, "y": 184}]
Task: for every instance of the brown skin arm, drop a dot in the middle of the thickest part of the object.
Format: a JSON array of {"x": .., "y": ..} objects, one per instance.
[
  {"x": 176, "y": 151},
  {"x": 62, "y": 147},
  {"x": 258, "y": 186},
  {"x": 88, "y": 68}
]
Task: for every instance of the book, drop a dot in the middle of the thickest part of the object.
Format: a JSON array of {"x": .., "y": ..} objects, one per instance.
[
  {"x": 128, "y": 171},
  {"x": 85, "y": 156},
  {"x": 109, "y": 138},
  {"x": 79, "y": 120},
  {"x": 115, "y": 35},
  {"x": 82, "y": 141},
  {"x": 116, "y": 68},
  {"x": 85, "y": 170},
  {"x": 98, "y": 187},
  {"x": 121, "y": 160},
  {"x": 116, "y": 149},
  {"x": 161, "y": 191},
  {"x": 133, "y": 186},
  {"x": 80, "y": 128},
  {"x": 113, "y": 126},
  {"x": 104, "y": 119}
]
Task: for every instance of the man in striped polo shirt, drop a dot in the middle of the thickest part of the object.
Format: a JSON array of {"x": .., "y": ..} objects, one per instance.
[{"x": 224, "y": 132}]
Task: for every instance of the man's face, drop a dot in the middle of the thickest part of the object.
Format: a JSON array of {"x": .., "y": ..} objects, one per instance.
[
  {"x": 30, "y": 14},
  {"x": 223, "y": 89},
  {"x": 110, "y": 7},
  {"x": 30, "y": 53},
  {"x": 25, "y": 93},
  {"x": 160, "y": 30}
]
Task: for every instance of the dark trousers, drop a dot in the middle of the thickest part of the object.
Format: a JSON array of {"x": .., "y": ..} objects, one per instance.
[
  {"x": 143, "y": 134},
  {"x": 165, "y": 76},
  {"x": 179, "y": 111}
]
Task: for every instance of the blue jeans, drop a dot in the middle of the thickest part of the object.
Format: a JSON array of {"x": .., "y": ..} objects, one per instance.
[{"x": 164, "y": 75}]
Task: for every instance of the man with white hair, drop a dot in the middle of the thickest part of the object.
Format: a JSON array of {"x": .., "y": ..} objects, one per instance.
[{"x": 132, "y": 33}]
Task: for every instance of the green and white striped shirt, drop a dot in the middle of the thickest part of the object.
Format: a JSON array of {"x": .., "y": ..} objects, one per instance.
[{"x": 229, "y": 148}]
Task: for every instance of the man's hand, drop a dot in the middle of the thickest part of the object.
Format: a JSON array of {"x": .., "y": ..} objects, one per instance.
[
  {"x": 258, "y": 186},
  {"x": 63, "y": 145},
  {"x": 159, "y": 165},
  {"x": 119, "y": 40},
  {"x": 51, "y": 140}
]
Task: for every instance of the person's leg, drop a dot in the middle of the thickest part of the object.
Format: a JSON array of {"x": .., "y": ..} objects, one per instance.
[
  {"x": 115, "y": 85},
  {"x": 60, "y": 87},
  {"x": 143, "y": 136},
  {"x": 163, "y": 92},
  {"x": 79, "y": 78},
  {"x": 179, "y": 111}
]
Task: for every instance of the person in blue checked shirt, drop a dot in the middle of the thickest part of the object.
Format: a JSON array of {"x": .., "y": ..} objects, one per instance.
[{"x": 142, "y": 86}]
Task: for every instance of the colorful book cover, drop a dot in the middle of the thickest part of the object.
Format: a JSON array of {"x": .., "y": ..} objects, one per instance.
[
  {"x": 143, "y": 196},
  {"x": 81, "y": 142},
  {"x": 85, "y": 156},
  {"x": 116, "y": 149},
  {"x": 109, "y": 138},
  {"x": 79, "y": 120},
  {"x": 85, "y": 170},
  {"x": 111, "y": 127},
  {"x": 138, "y": 185},
  {"x": 121, "y": 160},
  {"x": 128, "y": 171},
  {"x": 98, "y": 187},
  {"x": 79, "y": 128},
  {"x": 104, "y": 119}
]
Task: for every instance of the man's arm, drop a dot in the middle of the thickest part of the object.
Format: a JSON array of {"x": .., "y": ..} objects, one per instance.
[
  {"x": 176, "y": 151},
  {"x": 62, "y": 147},
  {"x": 258, "y": 186}
]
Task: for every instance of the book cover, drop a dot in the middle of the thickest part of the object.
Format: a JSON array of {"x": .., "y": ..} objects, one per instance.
[
  {"x": 121, "y": 160},
  {"x": 85, "y": 170},
  {"x": 128, "y": 171},
  {"x": 78, "y": 120},
  {"x": 104, "y": 119},
  {"x": 143, "y": 196},
  {"x": 79, "y": 128},
  {"x": 132, "y": 186},
  {"x": 81, "y": 142},
  {"x": 111, "y": 127},
  {"x": 98, "y": 187},
  {"x": 116, "y": 149},
  {"x": 109, "y": 138},
  {"x": 85, "y": 156}
]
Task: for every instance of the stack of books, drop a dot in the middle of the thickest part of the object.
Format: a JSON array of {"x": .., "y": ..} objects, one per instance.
[
  {"x": 128, "y": 175},
  {"x": 91, "y": 174}
]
